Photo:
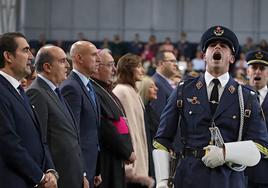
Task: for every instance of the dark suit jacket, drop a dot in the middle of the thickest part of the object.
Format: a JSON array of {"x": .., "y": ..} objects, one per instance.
[
  {"x": 258, "y": 173},
  {"x": 163, "y": 93},
  {"x": 87, "y": 117},
  {"x": 60, "y": 131},
  {"x": 23, "y": 155}
]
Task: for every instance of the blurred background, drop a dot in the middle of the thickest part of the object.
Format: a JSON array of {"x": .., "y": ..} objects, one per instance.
[
  {"x": 142, "y": 27},
  {"x": 99, "y": 19}
]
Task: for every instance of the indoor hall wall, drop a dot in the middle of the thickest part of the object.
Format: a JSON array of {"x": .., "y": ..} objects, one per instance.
[{"x": 97, "y": 19}]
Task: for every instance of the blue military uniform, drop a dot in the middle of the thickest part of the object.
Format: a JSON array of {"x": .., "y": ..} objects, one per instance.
[
  {"x": 190, "y": 100},
  {"x": 257, "y": 175}
]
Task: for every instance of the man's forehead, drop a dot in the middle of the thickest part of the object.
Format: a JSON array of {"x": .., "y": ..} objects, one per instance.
[
  {"x": 107, "y": 56},
  {"x": 21, "y": 42},
  {"x": 260, "y": 65},
  {"x": 169, "y": 55}
]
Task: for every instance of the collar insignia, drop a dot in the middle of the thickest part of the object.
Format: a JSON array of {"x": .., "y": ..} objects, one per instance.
[
  {"x": 199, "y": 84},
  {"x": 218, "y": 31}
]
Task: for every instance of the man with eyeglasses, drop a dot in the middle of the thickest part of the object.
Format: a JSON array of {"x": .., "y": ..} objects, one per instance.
[
  {"x": 258, "y": 78},
  {"x": 115, "y": 141},
  {"x": 166, "y": 69}
]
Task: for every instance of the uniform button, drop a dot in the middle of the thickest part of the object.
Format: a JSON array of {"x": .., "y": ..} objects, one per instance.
[
  {"x": 234, "y": 117},
  {"x": 190, "y": 112}
]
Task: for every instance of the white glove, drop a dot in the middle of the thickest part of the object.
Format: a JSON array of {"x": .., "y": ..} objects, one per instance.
[
  {"x": 161, "y": 165},
  {"x": 214, "y": 156},
  {"x": 162, "y": 184}
]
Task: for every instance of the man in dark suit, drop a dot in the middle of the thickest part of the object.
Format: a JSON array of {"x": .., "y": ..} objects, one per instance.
[
  {"x": 81, "y": 97},
  {"x": 166, "y": 68},
  {"x": 258, "y": 77},
  {"x": 57, "y": 122},
  {"x": 25, "y": 161}
]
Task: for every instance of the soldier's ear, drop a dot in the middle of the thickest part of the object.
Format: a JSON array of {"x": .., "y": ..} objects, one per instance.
[
  {"x": 204, "y": 57},
  {"x": 232, "y": 59}
]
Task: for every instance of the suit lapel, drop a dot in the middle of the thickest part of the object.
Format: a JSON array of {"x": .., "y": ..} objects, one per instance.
[
  {"x": 55, "y": 98},
  {"x": 264, "y": 104},
  {"x": 227, "y": 97},
  {"x": 76, "y": 77},
  {"x": 164, "y": 82},
  {"x": 19, "y": 98}
]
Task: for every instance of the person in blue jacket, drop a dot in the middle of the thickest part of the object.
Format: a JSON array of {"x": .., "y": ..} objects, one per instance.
[
  {"x": 258, "y": 78},
  {"x": 217, "y": 119}
]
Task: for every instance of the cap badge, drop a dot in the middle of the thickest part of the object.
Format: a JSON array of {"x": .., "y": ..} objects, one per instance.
[
  {"x": 218, "y": 31},
  {"x": 259, "y": 55}
]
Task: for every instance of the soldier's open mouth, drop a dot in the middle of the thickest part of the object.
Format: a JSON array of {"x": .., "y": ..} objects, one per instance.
[
  {"x": 257, "y": 78},
  {"x": 217, "y": 56}
]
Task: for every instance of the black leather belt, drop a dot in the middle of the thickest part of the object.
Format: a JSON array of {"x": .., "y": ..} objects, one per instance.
[{"x": 196, "y": 153}]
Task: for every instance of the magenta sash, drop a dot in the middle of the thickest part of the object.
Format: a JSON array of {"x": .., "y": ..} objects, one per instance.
[{"x": 121, "y": 126}]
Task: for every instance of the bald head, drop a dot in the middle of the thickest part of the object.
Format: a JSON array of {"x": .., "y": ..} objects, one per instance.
[
  {"x": 81, "y": 47},
  {"x": 46, "y": 54},
  {"x": 51, "y": 62},
  {"x": 84, "y": 54}
]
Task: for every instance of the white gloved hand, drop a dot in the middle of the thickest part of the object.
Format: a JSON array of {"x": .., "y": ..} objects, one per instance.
[
  {"x": 214, "y": 156},
  {"x": 162, "y": 184}
]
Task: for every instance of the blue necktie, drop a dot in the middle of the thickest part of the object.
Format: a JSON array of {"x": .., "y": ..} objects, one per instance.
[
  {"x": 25, "y": 99},
  {"x": 61, "y": 99},
  {"x": 91, "y": 92}
]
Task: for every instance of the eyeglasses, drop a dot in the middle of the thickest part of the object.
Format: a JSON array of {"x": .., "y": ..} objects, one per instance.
[
  {"x": 109, "y": 64},
  {"x": 170, "y": 60}
]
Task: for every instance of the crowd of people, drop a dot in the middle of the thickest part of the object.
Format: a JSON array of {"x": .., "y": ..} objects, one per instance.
[{"x": 103, "y": 116}]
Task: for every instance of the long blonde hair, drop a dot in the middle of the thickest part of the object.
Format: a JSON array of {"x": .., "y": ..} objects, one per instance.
[{"x": 143, "y": 88}]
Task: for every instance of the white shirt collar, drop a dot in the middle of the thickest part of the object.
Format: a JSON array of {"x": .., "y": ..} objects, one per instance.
[
  {"x": 224, "y": 78},
  {"x": 263, "y": 93},
  {"x": 49, "y": 83},
  {"x": 15, "y": 83},
  {"x": 83, "y": 78},
  {"x": 168, "y": 80}
]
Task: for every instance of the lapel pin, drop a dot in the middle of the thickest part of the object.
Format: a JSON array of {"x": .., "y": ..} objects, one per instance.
[{"x": 231, "y": 89}]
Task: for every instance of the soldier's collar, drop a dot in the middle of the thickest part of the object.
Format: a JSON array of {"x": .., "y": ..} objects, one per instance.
[{"x": 223, "y": 78}]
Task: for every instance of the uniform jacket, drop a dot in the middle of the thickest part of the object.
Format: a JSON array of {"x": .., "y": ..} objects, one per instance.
[
  {"x": 23, "y": 155},
  {"x": 115, "y": 140},
  {"x": 87, "y": 117},
  {"x": 258, "y": 173},
  {"x": 163, "y": 93},
  {"x": 196, "y": 120},
  {"x": 61, "y": 133}
]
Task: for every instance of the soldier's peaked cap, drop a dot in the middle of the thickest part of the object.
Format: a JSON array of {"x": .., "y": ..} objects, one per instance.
[
  {"x": 257, "y": 57},
  {"x": 220, "y": 33}
]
